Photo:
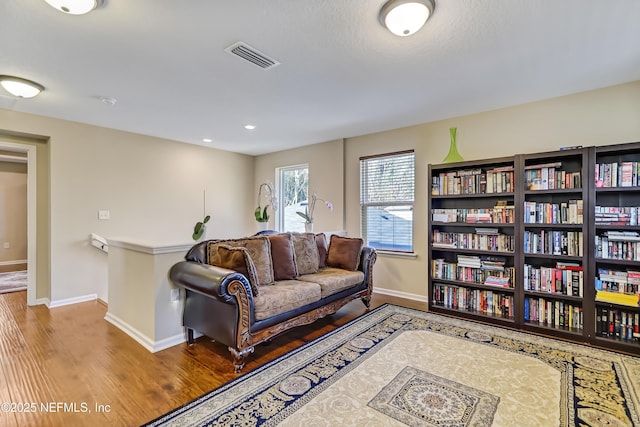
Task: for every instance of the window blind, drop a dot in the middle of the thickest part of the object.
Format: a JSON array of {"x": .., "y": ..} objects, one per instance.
[{"x": 387, "y": 184}]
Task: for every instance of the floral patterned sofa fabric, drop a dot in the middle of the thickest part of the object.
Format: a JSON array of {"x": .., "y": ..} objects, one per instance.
[{"x": 241, "y": 292}]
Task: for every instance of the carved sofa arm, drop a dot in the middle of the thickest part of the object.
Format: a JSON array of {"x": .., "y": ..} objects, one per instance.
[{"x": 207, "y": 280}]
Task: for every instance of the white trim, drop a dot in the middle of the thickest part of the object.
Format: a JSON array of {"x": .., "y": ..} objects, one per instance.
[
  {"x": 149, "y": 344},
  {"x": 42, "y": 301},
  {"x": 149, "y": 249},
  {"x": 16, "y": 262},
  {"x": 394, "y": 254},
  {"x": 406, "y": 295},
  {"x": 69, "y": 301},
  {"x": 12, "y": 159},
  {"x": 169, "y": 342},
  {"x": 30, "y": 150}
]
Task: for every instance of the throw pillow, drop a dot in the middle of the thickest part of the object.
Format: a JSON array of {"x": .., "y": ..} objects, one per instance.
[
  {"x": 305, "y": 253},
  {"x": 259, "y": 251},
  {"x": 238, "y": 259},
  {"x": 321, "y": 242},
  {"x": 344, "y": 252},
  {"x": 284, "y": 267}
]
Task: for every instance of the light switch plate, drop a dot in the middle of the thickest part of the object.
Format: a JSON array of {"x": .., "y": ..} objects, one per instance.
[{"x": 103, "y": 214}]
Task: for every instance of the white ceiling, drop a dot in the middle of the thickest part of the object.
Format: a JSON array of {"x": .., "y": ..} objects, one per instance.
[{"x": 341, "y": 73}]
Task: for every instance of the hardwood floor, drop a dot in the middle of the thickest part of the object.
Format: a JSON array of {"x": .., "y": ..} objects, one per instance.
[{"x": 68, "y": 366}]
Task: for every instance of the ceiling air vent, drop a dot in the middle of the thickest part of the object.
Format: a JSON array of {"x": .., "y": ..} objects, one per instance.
[{"x": 252, "y": 55}]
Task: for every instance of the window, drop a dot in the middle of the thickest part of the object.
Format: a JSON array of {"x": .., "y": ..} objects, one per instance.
[
  {"x": 386, "y": 201},
  {"x": 293, "y": 189}
]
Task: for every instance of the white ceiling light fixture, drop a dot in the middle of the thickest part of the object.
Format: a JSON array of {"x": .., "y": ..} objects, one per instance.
[
  {"x": 249, "y": 127},
  {"x": 22, "y": 88},
  {"x": 75, "y": 7},
  {"x": 405, "y": 17}
]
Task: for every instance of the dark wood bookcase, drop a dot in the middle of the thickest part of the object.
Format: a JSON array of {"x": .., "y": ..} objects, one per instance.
[
  {"x": 622, "y": 194},
  {"x": 518, "y": 241}
]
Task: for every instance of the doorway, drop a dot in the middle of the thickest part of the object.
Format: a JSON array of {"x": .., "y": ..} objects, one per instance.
[{"x": 22, "y": 150}]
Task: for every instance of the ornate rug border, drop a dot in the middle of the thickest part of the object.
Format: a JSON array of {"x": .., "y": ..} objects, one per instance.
[{"x": 543, "y": 348}]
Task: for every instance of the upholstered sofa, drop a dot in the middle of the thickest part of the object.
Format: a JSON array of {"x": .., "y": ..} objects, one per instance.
[{"x": 242, "y": 292}]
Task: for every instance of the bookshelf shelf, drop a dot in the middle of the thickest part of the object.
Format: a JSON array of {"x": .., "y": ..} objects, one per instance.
[
  {"x": 563, "y": 206},
  {"x": 474, "y": 225},
  {"x": 474, "y": 285},
  {"x": 472, "y": 315},
  {"x": 573, "y": 333},
  {"x": 553, "y": 295},
  {"x": 503, "y": 195}
]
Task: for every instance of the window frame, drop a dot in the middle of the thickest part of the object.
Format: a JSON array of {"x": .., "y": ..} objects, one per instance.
[
  {"x": 279, "y": 217},
  {"x": 410, "y": 203}
]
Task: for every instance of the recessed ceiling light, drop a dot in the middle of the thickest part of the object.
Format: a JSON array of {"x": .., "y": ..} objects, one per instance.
[
  {"x": 249, "y": 127},
  {"x": 108, "y": 100},
  {"x": 207, "y": 140}
]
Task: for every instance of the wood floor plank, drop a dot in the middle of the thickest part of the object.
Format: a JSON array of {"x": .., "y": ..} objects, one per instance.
[{"x": 68, "y": 359}]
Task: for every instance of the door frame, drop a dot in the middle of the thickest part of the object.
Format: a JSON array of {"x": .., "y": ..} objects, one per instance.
[{"x": 30, "y": 151}]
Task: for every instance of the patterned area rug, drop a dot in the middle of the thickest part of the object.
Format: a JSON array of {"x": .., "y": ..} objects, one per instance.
[
  {"x": 396, "y": 366},
  {"x": 13, "y": 281}
]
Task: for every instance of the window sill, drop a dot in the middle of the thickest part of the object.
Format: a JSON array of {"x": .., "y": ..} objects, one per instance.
[{"x": 393, "y": 254}]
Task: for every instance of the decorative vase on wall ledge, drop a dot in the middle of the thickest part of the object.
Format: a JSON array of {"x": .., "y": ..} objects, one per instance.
[
  {"x": 308, "y": 227},
  {"x": 453, "y": 155}
]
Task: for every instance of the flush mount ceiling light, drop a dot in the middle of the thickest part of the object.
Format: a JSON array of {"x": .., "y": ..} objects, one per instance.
[
  {"x": 74, "y": 7},
  {"x": 22, "y": 88},
  {"x": 405, "y": 17}
]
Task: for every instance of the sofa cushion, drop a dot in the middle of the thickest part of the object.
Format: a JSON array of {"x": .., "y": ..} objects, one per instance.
[
  {"x": 321, "y": 242},
  {"x": 284, "y": 267},
  {"x": 305, "y": 253},
  {"x": 333, "y": 280},
  {"x": 344, "y": 252},
  {"x": 283, "y": 296},
  {"x": 238, "y": 259},
  {"x": 259, "y": 250}
]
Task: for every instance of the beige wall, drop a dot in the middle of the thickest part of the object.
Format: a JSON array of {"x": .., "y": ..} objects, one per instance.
[
  {"x": 13, "y": 212},
  {"x": 599, "y": 117},
  {"x": 152, "y": 187},
  {"x": 326, "y": 177}
]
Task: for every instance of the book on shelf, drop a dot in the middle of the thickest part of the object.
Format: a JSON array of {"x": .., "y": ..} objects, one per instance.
[
  {"x": 486, "y": 230},
  {"x": 623, "y": 236},
  {"x": 502, "y": 282},
  {"x": 616, "y": 215},
  {"x": 444, "y": 215},
  {"x": 617, "y": 174},
  {"x": 618, "y": 298},
  {"x": 469, "y": 261},
  {"x": 616, "y": 323},
  {"x": 473, "y": 218}
]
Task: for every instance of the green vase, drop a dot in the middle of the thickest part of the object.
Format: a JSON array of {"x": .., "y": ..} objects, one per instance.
[{"x": 453, "y": 155}]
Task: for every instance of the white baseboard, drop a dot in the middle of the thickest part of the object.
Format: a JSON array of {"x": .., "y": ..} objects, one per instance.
[
  {"x": 406, "y": 295},
  {"x": 43, "y": 301},
  {"x": 16, "y": 262},
  {"x": 142, "y": 339},
  {"x": 68, "y": 301}
]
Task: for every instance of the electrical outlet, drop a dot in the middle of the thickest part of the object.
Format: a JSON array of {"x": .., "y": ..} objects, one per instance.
[
  {"x": 7, "y": 245},
  {"x": 175, "y": 295},
  {"x": 103, "y": 214}
]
